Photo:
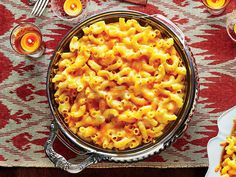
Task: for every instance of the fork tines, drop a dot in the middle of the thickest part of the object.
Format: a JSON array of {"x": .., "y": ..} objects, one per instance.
[{"x": 39, "y": 7}]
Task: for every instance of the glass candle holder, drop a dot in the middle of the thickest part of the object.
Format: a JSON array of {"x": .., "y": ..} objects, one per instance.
[
  {"x": 216, "y": 7},
  {"x": 70, "y": 10},
  {"x": 26, "y": 39},
  {"x": 231, "y": 25}
]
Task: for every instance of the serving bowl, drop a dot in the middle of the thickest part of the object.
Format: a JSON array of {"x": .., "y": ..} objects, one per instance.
[
  {"x": 214, "y": 149},
  {"x": 172, "y": 131}
]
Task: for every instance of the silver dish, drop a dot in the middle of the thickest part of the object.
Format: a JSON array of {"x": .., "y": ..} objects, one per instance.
[{"x": 173, "y": 131}]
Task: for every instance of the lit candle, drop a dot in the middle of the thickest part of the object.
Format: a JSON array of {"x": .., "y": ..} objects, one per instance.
[
  {"x": 216, "y": 4},
  {"x": 30, "y": 42},
  {"x": 72, "y": 7}
]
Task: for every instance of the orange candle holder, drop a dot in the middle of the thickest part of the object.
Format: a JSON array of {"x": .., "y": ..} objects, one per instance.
[
  {"x": 26, "y": 39},
  {"x": 216, "y": 7}
]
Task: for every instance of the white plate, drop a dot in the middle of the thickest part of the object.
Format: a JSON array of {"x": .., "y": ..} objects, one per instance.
[{"x": 214, "y": 150}]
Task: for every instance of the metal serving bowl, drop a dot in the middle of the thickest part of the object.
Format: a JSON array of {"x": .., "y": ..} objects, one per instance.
[{"x": 174, "y": 130}]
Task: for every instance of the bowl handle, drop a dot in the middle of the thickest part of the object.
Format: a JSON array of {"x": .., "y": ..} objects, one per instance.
[
  {"x": 172, "y": 25},
  {"x": 60, "y": 161}
]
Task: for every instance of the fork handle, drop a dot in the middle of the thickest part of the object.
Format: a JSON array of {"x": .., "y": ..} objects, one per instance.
[{"x": 31, "y": 2}]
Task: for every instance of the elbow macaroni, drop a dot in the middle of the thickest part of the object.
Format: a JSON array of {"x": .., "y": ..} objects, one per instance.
[
  {"x": 120, "y": 84},
  {"x": 227, "y": 167}
]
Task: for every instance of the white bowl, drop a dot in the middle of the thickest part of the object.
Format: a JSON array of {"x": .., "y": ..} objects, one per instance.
[{"x": 214, "y": 150}]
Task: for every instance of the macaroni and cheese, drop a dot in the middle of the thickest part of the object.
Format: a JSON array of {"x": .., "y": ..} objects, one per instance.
[
  {"x": 227, "y": 167},
  {"x": 120, "y": 84}
]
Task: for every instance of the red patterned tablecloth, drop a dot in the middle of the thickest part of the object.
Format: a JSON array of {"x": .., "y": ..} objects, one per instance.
[{"x": 24, "y": 111}]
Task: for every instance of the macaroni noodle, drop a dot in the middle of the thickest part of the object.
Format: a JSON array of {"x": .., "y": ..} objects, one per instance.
[{"x": 120, "y": 84}]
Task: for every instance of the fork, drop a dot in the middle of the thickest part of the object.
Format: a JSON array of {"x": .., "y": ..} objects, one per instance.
[{"x": 39, "y": 7}]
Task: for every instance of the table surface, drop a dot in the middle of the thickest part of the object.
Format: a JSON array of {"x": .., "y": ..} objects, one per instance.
[
  {"x": 24, "y": 109},
  {"x": 118, "y": 172}
]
